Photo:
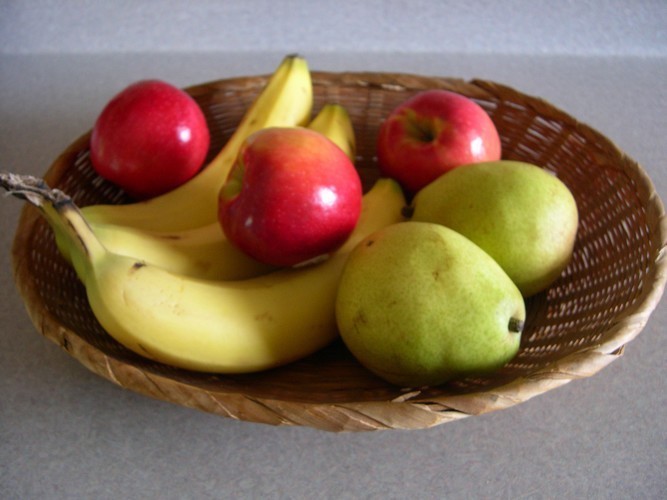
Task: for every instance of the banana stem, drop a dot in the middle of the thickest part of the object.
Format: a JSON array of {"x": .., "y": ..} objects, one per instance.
[
  {"x": 61, "y": 213},
  {"x": 32, "y": 189}
]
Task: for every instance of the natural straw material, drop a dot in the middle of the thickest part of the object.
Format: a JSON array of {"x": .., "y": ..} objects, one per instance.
[{"x": 577, "y": 327}]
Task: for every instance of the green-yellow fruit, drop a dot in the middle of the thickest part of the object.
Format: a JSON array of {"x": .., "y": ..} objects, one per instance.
[
  {"x": 419, "y": 304},
  {"x": 520, "y": 214}
]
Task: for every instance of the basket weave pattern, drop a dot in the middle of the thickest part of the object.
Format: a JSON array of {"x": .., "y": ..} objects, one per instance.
[{"x": 574, "y": 329}]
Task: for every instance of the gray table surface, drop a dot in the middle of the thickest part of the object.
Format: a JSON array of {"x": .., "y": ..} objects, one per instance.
[{"x": 67, "y": 433}]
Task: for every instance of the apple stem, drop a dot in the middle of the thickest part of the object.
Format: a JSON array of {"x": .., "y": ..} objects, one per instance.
[
  {"x": 516, "y": 325},
  {"x": 407, "y": 211}
]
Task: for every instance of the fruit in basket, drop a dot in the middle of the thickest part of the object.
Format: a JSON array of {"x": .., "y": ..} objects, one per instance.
[
  {"x": 520, "y": 214},
  {"x": 285, "y": 100},
  {"x": 431, "y": 133},
  {"x": 149, "y": 139},
  {"x": 204, "y": 325},
  {"x": 205, "y": 252},
  {"x": 335, "y": 122},
  {"x": 419, "y": 304},
  {"x": 292, "y": 196}
]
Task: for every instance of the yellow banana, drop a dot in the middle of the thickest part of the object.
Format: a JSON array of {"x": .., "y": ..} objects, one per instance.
[
  {"x": 334, "y": 121},
  {"x": 205, "y": 252},
  {"x": 203, "y": 325},
  {"x": 286, "y": 100}
]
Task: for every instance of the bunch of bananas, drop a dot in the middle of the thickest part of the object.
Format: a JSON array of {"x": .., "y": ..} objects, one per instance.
[{"x": 163, "y": 280}]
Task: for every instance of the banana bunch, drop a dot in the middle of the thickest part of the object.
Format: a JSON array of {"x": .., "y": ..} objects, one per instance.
[
  {"x": 207, "y": 325},
  {"x": 163, "y": 280}
]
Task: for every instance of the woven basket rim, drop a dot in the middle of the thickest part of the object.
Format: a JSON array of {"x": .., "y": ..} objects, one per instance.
[{"x": 414, "y": 409}]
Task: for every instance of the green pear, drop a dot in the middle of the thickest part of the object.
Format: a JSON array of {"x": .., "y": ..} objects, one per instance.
[
  {"x": 419, "y": 304},
  {"x": 520, "y": 214}
]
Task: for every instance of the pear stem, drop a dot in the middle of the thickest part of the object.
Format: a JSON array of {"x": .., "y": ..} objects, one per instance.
[{"x": 516, "y": 325}]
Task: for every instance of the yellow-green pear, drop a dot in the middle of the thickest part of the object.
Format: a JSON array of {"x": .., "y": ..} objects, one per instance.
[
  {"x": 520, "y": 214},
  {"x": 419, "y": 304}
]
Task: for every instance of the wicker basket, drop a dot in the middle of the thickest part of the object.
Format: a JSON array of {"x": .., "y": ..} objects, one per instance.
[{"x": 582, "y": 323}]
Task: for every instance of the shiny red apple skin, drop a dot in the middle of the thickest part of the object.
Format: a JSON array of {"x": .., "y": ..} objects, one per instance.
[
  {"x": 292, "y": 196},
  {"x": 149, "y": 139},
  {"x": 432, "y": 132}
]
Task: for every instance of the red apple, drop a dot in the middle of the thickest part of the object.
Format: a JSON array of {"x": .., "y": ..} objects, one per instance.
[
  {"x": 431, "y": 133},
  {"x": 292, "y": 196},
  {"x": 149, "y": 139}
]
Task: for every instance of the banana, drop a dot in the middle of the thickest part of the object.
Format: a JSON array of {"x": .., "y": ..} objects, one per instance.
[
  {"x": 334, "y": 121},
  {"x": 205, "y": 252},
  {"x": 203, "y": 325},
  {"x": 286, "y": 100}
]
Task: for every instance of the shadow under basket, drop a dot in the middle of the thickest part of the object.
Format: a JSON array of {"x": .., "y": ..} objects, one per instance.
[{"x": 574, "y": 329}]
